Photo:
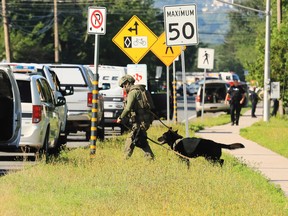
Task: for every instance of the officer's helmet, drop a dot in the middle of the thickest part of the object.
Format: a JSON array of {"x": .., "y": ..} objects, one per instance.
[{"x": 126, "y": 78}]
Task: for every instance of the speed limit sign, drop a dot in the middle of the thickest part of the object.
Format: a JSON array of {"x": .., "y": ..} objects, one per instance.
[{"x": 181, "y": 25}]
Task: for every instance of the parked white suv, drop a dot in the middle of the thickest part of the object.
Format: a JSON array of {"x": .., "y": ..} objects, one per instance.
[
  {"x": 40, "y": 119},
  {"x": 52, "y": 79},
  {"x": 10, "y": 110}
]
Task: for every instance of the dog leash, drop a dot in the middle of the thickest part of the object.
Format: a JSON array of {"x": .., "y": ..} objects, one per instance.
[
  {"x": 157, "y": 118},
  {"x": 169, "y": 149}
]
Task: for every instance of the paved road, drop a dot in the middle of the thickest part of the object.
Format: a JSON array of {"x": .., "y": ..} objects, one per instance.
[{"x": 190, "y": 107}]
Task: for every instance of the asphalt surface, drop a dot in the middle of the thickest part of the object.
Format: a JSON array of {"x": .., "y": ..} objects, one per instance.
[{"x": 272, "y": 165}]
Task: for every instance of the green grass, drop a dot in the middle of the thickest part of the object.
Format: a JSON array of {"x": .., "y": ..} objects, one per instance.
[
  {"x": 107, "y": 184},
  {"x": 272, "y": 135},
  {"x": 200, "y": 123}
]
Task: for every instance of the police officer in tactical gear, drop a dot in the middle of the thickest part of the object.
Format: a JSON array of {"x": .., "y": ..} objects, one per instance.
[
  {"x": 136, "y": 110},
  {"x": 237, "y": 98}
]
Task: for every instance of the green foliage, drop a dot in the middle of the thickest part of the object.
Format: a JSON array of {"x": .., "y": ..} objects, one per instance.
[
  {"x": 278, "y": 53},
  {"x": 238, "y": 50}
]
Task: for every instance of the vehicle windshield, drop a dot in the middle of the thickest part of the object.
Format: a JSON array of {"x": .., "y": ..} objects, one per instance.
[{"x": 70, "y": 76}]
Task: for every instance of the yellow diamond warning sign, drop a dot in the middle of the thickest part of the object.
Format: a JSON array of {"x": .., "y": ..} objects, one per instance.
[
  {"x": 167, "y": 54},
  {"x": 135, "y": 39}
]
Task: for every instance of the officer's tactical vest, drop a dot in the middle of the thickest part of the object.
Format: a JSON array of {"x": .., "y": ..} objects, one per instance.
[{"x": 145, "y": 103}]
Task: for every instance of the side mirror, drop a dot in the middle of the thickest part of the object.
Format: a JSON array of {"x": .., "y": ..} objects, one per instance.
[
  {"x": 61, "y": 101},
  {"x": 69, "y": 90}
]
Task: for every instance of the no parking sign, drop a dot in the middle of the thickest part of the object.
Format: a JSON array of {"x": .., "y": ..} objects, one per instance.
[{"x": 96, "y": 20}]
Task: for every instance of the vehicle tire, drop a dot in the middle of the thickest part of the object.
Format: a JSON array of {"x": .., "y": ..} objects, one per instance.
[
  {"x": 62, "y": 139},
  {"x": 87, "y": 135},
  {"x": 122, "y": 129},
  {"x": 101, "y": 133},
  {"x": 45, "y": 147},
  {"x": 198, "y": 113},
  {"x": 57, "y": 148}
]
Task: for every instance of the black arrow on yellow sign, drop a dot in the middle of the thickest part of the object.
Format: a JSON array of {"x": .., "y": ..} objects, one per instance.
[
  {"x": 134, "y": 29},
  {"x": 168, "y": 47}
]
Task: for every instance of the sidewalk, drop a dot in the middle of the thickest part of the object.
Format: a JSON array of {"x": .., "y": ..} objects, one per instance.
[{"x": 270, "y": 164}]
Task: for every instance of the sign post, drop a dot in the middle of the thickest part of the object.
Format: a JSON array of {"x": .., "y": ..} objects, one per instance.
[
  {"x": 205, "y": 61},
  {"x": 96, "y": 25},
  {"x": 167, "y": 54},
  {"x": 181, "y": 29}
]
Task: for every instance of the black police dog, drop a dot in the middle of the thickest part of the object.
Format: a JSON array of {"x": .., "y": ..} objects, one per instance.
[{"x": 195, "y": 147}]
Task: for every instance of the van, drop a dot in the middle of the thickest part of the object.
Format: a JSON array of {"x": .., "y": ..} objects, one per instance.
[
  {"x": 10, "y": 110},
  {"x": 109, "y": 75},
  {"x": 113, "y": 95},
  {"x": 215, "y": 93}
]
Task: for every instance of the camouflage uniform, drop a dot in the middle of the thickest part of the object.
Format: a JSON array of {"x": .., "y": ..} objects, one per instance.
[{"x": 141, "y": 121}]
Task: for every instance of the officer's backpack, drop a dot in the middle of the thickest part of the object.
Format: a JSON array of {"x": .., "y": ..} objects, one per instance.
[{"x": 146, "y": 103}]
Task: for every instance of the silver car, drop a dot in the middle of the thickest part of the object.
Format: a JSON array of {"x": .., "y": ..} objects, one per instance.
[
  {"x": 215, "y": 93},
  {"x": 41, "y": 123}
]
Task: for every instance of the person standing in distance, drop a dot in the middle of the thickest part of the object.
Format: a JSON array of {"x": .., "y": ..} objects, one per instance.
[
  {"x": 237, "y": 98},
  {"x": 137, "y": 112},
  {"x": 254, "y": 100}
]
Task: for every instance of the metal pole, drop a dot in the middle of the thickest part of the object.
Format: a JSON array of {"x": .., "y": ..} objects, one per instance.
[
  {"x": 94, "y": 121},
  {"x": 267, "y": 64},
  {"x": 168, "y": 95},
  {"x": 174, "y": 94},
  {"x": 266, "y": 99},
  {"x": 203, "y": 94},
  {"x": 184, "y": 91}
]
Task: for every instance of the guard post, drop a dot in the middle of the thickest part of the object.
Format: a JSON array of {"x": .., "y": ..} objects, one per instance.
[{"x": 96, "y": 25}]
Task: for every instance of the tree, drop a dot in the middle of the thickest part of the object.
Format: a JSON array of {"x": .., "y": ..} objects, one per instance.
[
  {"x": 278, "y": 54},
  {"x": 237, "y": 52}
]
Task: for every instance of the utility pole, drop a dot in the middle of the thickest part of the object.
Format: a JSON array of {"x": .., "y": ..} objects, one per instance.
[
  {"x": 6, "y": 32},
  {"x": 279, "y": 13},
  {"x": 279, "y": 21},
  {"x": 56, "y": 34}
]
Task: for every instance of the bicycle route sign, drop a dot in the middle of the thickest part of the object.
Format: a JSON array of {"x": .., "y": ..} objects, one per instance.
[
  {"x": 135, "y": 39},
  {"x": 181, "y": 25},
  {"x": 96, "y": 20},
  {"x": 167, "y": 54}
]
